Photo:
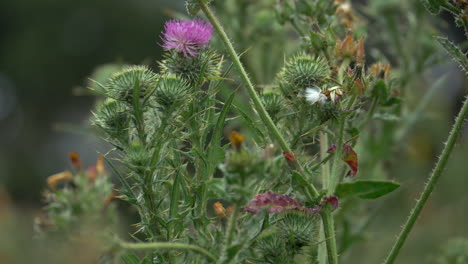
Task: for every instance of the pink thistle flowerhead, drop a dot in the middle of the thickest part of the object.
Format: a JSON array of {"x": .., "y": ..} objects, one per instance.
[{"x": 186, "y": 36}]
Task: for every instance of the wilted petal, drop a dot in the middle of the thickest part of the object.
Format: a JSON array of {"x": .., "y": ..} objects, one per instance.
[
  {"x": 350, "y": 157},
  {"x": 275, "y": 203},
  {"x": 332, "y": 200}
]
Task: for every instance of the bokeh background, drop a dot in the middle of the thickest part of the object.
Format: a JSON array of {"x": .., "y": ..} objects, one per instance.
[{"x": 49, "y": 47}]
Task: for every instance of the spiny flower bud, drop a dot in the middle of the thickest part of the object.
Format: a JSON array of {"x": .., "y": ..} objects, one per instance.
[
  {"x": 122, "y": 84},
  {"x": 205, "y": 65},
  {"x": 113, "y": 117},
  {"x": 171, "y": 92},
  {"x": 301, "y": 226},
  {"x": 303, "y": 71},
  {"x": 138, "y": 158},
  {"x": 273, "y": 104}
]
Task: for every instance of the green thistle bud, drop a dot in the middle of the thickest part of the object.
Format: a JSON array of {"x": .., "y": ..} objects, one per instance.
[
  {"x": 195, "y": 70},
  {"x": 114, "y": 119},
  {"x": 273, "y": 104},
  {"x": 272, "y": 248},
  {"x": 138, "y": 158},
  {"x": 303, "y": 71},
  {"x": 122, "y": 84},
  {"x": 171, "y": 92},
  {"x": 299, "y": 229}
]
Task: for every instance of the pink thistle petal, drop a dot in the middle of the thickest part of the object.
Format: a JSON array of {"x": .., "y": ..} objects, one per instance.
[{"x": 187, "y": 36}]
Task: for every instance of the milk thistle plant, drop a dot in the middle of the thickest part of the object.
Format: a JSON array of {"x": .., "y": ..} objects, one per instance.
[{"x": 232, "y": 157}]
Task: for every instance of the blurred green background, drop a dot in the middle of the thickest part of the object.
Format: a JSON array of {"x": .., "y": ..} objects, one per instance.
[{"x": 48, "y": 47}]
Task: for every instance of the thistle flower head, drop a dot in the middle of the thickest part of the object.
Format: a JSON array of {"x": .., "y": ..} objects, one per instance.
[
  {"x": 303, "y": 71},
  {"x": 186, "y": 36}
]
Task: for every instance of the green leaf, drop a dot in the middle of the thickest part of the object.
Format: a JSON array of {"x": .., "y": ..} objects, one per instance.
[
  {"x": 216, "y": 139},
  {"x": 433, "y": 6},
  {"x": 454, "y": 52},
  {"x": 130, "y": 259},
  {"x": 366, "y": 189},
  {"x": 253, "y": 126}
]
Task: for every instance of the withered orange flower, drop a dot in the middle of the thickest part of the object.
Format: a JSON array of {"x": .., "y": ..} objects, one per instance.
[
  {"x": 75, "y": 160},
  {"x": 236, "y": 139},
  {"x": 219, "y": 209},
  {"x": 100, "y": 169},
  {"x": 55, "y": 179},
  {"x": 381, "y": 70},
  {"x": 350, "y": 48}
]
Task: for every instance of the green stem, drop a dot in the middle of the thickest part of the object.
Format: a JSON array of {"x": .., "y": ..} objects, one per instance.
[
  {"x": 439, "y": 167},
  {"x": 174, "y": 205},
  {"x": 265, "y": 117},
  {"x": 329, "y": 229},
  {"x": 232, "y": 225},
  {"x": 231, "y": 228},
  {"x": 168, "y": 246},
  {"x": 324, "y": 156},
  {"x": 334, "y": 177}
]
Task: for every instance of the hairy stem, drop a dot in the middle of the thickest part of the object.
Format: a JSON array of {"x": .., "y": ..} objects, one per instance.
[
  {"x": 439, "y": 167},
  {"x": 168, "y": 246},
  {"x": 334, "y": 177},
  {"x": 329, "y": 230}
]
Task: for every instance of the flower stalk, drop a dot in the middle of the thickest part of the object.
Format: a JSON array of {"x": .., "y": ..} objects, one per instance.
[{"x": 433, "y": 180}]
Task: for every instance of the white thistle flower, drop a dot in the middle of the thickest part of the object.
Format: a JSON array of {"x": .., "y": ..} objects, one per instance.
[{"x": 314, "y": 95}]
